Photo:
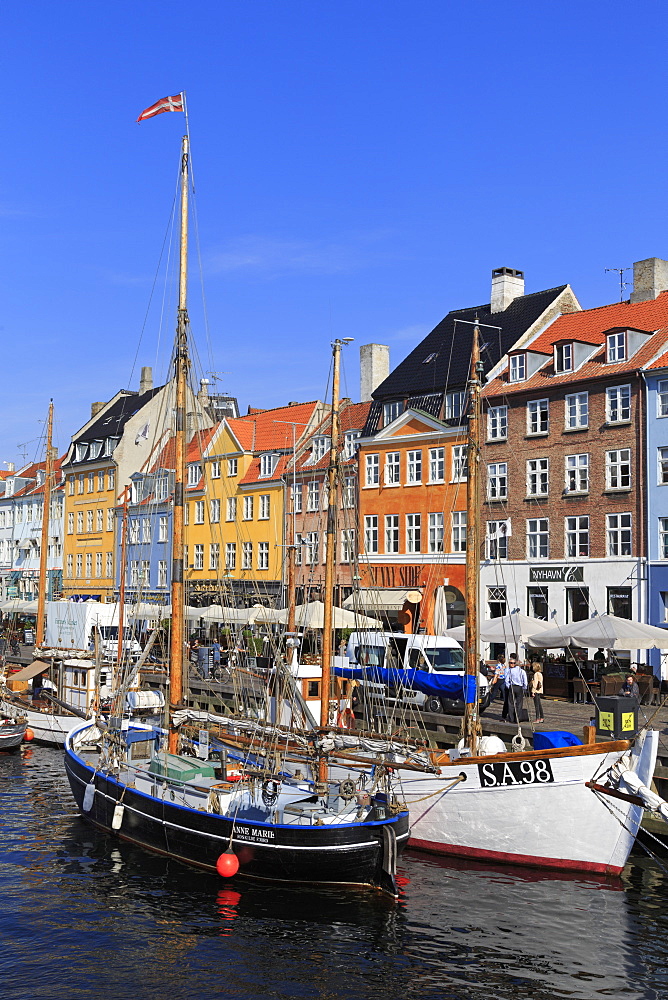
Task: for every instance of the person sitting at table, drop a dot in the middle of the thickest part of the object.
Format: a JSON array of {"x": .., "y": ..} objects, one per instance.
[{"x": 629, "y": 688}]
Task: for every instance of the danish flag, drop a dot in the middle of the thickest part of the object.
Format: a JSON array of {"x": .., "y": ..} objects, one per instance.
[{"x": 174, "y": 103}]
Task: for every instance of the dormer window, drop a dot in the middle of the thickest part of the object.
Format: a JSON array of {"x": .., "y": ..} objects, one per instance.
[
  {"x": 9, "y": 487},
  {"x": 518, "y": 367},
  {"x": 267, "y": 465},
  {"x": 454, "y": 405},
  {"x": 616, "y": 346},
  {"x": 563, "y": 358},
  {"x": 391, "y": 411},
  {"x": 194, "y": 474},
  {"x": 95, "y": 449},
  {"x": 110, "y": 445},
  {"x": 319, "y": 449},
  {"x": 350, "y": 443},
  {"x": 41, "y": 478},
  {"x": 81, "y": 450}
]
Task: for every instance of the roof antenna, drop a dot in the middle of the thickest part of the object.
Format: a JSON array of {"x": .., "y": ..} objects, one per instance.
[{"x": 622, "y": 284}]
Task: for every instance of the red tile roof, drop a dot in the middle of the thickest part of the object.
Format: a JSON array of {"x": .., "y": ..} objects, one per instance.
[
  {"x": 265, "y": 430},
  {"x": 194, "y": 452},
  {"x": 590, "y": 324},
  {"x": 661, "y": 361},
  {"x": 253, "y": 471},
  {"x": 353, "y": 418}
]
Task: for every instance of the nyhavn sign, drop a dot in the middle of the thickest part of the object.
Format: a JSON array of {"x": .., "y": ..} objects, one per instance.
[{"x": 556, "y": 574}]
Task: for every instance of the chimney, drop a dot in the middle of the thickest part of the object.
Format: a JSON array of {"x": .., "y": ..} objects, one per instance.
[
  {"x": 95, "y": 408},
  {"x": 650, "y": 278},
  {"x": 146, "y": 380},
  {"x": 10, "y": 466},
  {"x": 507, "y": 284},
  {"x": 202, "y": 395},
  {"x": 374, "y": 368}
]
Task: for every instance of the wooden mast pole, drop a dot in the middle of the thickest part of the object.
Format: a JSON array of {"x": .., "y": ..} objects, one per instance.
[
  {"x": 471, "y": 716},
  {"x": 181, "y": 365},
  {"x": 46, "y": 512},
  {"x": 121, "y": 584}
]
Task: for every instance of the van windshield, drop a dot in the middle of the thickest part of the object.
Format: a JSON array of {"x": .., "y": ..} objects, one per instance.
[{"x": 445, "y": 659}]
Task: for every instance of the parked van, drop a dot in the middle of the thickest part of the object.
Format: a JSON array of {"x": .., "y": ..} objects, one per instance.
[
  {"x": 431, "y": 653},
  {"x": 109, "y": 643}
]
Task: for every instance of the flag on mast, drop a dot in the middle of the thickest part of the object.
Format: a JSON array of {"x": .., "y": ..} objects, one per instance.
[{"x": 174, "y": 103}]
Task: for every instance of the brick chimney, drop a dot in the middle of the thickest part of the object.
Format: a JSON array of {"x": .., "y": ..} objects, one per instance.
[
  {"x": 650, "y": 277},
  {"x": 507, "y": 284},
  {"x": 374, "y": 368},
  {"x": 146, "y": 380},
  {"x": 95, "y": 408}
]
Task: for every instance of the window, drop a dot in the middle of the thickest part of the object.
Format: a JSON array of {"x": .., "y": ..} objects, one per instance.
[
  {"x": 577, "y": 604},
  {"x": 231, "y": 509},
  {"x": 215, "y": 469},
  {"x": 349, "y": 492},
  {"x": 371, "y": 533},
  {"x": 89, "y": 565},
  {"x": 80, "y": 566},
  {"x": 577, "y": 410},
  {"x": 662, "y": 398},
  {"x": 497, "y": 539},
  {"x": 70, "y": 566},
  {"x": 497, "y": 423},
  {"x": 563, "y": 358},
  {"x": 70, "y": 486},
  {"x": 454, "y": 405},
  {"x": 350, "y": 444},
  {"x": 391, "y": 411},
  {"x": 497, "y": 481},
  {"x": 618, "y": 404},
  {"x": 214, "y": 511},
  {"x": 311, "y": 541},
  {"x": 133, "y": 531},
  {"x": 620, "y": 602},
  {"x": 99, "y": 520},
  {"x": 80, "y": 519},
  {"x": 111, "y": 478},
  {"x": 458, "y": 531},
  {"x": 110, "y": 518},
  {"x": 70, "y": 523},
  {"x": 267, "y": 465},
  {"x": 232, "y": 466},
  {"x": 247, "y": 555},
  {"x": 518, "y": 368},
  {"x": 198, "y": 557},
  {"x": 296, "y": 497},
  {"x": 186, "y": 513},
  {"x": 538, "y": 538},
  {"x": 663, "y": 538},
  {"x": 194, "y": 474},
  {"x": 537, "y": 606},
  {"x": 391, "y": 533},
  {"x": 414, "y": 467},
  {"x": 347, "y": 545},
  {"x": 537, "y": 477},
  {"x": 313, "y": 495},
  {"x": 248, "y": 508},
  {"x": 91, "y": 483},
  {"x": 616, "y": 346},
  {"x": 162, "y": 572},
  {"x": 497, "y": 604},
  {"x": 100, "y": 480},
  {"x": 662, "y": 455},
  {"x": 413, "y": 533},
  {"x": 460, "y": 469},
  {"x": 19, "y": 516},
  {"x": 538, "y": 416},
  {"x": 619, "y": 534},
  {"x": 577, "y": 537},
  {"x": 577, "y": 473},
  {"x": 199, "y": 512},
  {"x": 81, "y": 452},
  {"x": 437, "y": 465},
  {"x": 214, "y": 556},
  {"x": 372, "y": 477},
  {"x": 618, "y": 469},
  {"x": 145, "y": 573},
  {"x": 162, "y": 528},
  {"x": 263, "y": 555},
  {"x": 98, "y": 564},
  {"x": 265, "y": 506},
  {"x": 319, "y": 448},
  {"x": 392, "y": 468},
  {"x": 80, "y": 483}
]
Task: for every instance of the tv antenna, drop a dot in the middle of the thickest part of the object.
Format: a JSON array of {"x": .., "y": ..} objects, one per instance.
[{"x": 622, "y": 284}]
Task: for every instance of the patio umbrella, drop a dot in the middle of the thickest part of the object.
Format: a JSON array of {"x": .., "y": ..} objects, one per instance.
[
  {"x": 603, "y": 632},
  {"x": 312, "y": 615},
  {"x": 511, "y": 629}
]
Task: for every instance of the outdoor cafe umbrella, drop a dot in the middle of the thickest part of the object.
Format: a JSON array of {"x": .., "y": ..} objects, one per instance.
[
  {"x": 312, "y": 615},
  {"x": 510, "y": 629},
  {"x": 240, "y": 616},
  {"x": 603, "y": 632}
]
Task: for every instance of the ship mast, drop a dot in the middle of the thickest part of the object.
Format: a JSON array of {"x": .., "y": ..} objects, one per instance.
[
  {"x": 471, "y": 721},
  {"x": 46, "y": 512},
  {"x": 181, "y": 366}
]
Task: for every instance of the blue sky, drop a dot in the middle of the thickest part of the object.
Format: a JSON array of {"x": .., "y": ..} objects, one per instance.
[{"x": 360, "y": 169}]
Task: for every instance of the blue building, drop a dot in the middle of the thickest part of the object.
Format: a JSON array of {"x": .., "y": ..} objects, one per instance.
[
  {"x": 148, "y": 551},
  {"x": 656, "y": 380}
]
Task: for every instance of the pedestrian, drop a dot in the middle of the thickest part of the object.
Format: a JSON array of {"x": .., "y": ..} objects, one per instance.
[
  {"x": 629, "y": 688},
  {"x": 536, "y": 689},
  {"x": 497, "y": 683},
  {"x": 203, "y": 661},
  {"x": 216, "y": 652},
  {"x": 516, "y": 686}
]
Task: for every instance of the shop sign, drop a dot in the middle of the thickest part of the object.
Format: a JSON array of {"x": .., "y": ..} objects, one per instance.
[{"x": 556, "y": 574}]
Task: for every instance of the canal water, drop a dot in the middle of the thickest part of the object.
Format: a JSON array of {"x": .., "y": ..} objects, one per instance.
[{"x": 85, "y": 916}]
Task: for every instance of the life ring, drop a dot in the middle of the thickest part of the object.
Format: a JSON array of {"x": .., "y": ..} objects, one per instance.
[{"x": 346, "y": 719}]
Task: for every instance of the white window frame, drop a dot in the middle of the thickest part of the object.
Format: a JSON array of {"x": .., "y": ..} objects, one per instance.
[
  {"x": 662, "y": 466},
  {"x": 230, "y": 556},
  {"x": 268, "y": 463},
  {"x": 517, "y": 368},
  {"x": 392, "y": 472},
  {"x": 437, "y": 465},
  {"x": 460, "y": 463},
  {"x": 214, "y": 510},
  {"x": 194, "y": 474},
  {"x": 231, "y": 509},
  {"x": 265, "y": 507},
  {"x": 538, "y": 477},
  {"x": 249, "y": 508},
  {"x": 371, "y": 534},
  {"x": 454, "y": 404},
  {"x": 313, "y": 495},
  {"x": 347, "y": 545},
  {"x": 538, "y": 538},
  {"x": 619, "y": 534},
  {"x": 247, "y": 555},
  {"x": 618, "y": 404},
  {"x": 215, "y": 468},
  {"x": 497, "y": 423},
  {"x": 618, "y": 469},
  {"x": 350, "y": 444},
  {"x": 576, "y": 473},
  {"x": 538, "y": 413},
  {"x": 662, "y": 398},
  {"x": 496, "y": 540},
  {"x": 296, "y": 497},
  {"x": 497, "y": 481},
  {"x": 232, "y": 467},
  {"x": 577, "y": 537},
  {"x": 392, "y": 534},
  {"x": 663, "y": 538},
  {"x": 372, "y": 470},
  {"x": 391, "y": 411},
  {"x": 198, "y": 556},
  {"x": 199, "y": 512},
  {"x": 413, "y": 533},
  {"x": 576, "y": 411},
  {"x": 563, "y": 358},
  {"x": 348, "y": 498},
  {"x": 214, "y": 555},
  {"x": 615, "y": 347},
  {"x": 414, "y": 467},
  {"x": 163, "y": 528},
  {"x": 459, "y": 523}
]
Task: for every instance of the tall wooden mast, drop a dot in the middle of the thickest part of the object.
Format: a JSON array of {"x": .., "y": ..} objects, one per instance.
[
  {"x": 181, "y": 366},
  {"x": 471, "y": 716},
  {"x": 46, "y": 511}
]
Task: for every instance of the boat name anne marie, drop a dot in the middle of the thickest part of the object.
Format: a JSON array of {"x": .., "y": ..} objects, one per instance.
[
  {"x": 245, "y": 833},
  {"x": 515, "y": 772}
]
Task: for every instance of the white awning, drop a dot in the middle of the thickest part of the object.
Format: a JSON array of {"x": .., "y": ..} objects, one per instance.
[{"x": 382, "y": 599}]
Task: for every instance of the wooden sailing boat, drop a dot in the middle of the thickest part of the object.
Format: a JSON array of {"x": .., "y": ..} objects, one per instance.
[{"x": 270, "y": 824}]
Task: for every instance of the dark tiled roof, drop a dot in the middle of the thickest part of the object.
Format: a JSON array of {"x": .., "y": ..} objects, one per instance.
[
  {"x": 451, "y": 342},
  {"x": 111, "y": 422}
]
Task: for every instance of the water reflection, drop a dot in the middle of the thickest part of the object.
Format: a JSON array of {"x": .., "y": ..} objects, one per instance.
[{"x": 90, "y": 915}]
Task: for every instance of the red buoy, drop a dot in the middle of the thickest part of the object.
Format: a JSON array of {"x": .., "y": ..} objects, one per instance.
[
  {"x": 227, "y": 864},
  {"x": 28, "y": 735}
]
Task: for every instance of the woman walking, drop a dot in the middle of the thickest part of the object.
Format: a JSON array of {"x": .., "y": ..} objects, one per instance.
[{"x": 536, "y": 689}]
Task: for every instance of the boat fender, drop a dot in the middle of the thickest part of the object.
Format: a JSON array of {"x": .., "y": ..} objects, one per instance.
[
  {"x": 117, "y": 818},
  {"x": 270, "y": 789},
  {"x": 518, "y": 742},
  {"x": 89, "y": 796},
  {"x": 227, "y": 864},
  {"x": 346, "y": 719},
  {"x": 28, "y": 735},
  {"x": 347, "y": 789}
]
